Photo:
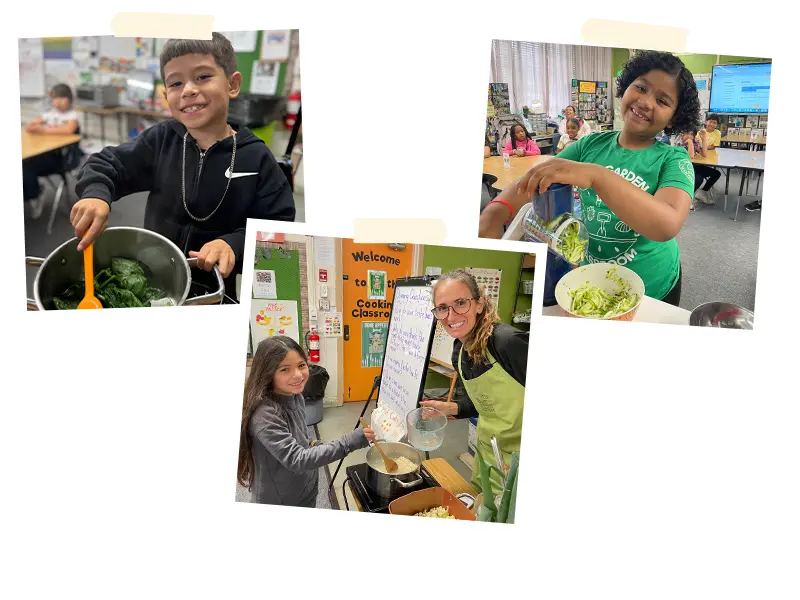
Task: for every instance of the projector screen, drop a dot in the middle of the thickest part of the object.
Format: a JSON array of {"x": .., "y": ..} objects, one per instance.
[{"x": 740, "y": 88}]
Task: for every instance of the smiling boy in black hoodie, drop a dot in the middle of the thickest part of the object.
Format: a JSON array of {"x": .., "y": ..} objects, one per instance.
[{"x": 205, "y": 179}]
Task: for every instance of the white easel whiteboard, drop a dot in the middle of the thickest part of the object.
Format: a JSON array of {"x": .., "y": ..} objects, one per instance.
[{"x": 405, "y": 363}]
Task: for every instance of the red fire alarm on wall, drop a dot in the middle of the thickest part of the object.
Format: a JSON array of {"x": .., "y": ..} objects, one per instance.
[{"x": 323, "y": 275}]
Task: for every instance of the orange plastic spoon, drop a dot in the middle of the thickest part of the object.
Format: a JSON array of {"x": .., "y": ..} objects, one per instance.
[{"x": 89, "y": 299}]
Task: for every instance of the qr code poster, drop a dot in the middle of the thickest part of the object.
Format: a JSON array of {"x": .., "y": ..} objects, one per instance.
[{"x": 264, "y": 285}]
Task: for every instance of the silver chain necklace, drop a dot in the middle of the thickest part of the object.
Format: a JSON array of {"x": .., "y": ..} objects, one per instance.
[{"x": 183, "y": 179}]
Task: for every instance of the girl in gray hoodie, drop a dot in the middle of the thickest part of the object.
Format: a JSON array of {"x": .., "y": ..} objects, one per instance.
[{"x": 277, "y": 461}]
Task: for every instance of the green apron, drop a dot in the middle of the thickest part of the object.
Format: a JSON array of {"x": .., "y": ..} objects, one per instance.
[{"x": 498, "y": 398}]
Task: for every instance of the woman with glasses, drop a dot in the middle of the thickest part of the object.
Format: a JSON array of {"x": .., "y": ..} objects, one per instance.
[{"x": 491, "y": 359}]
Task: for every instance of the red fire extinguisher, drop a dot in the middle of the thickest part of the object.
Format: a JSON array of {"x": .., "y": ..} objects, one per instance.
[
  {"x": 312, "y": 343},
  {"x": 292, "y": 107}
]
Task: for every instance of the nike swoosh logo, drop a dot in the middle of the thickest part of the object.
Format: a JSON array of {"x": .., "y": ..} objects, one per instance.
[{"x": 230, "y": 175}]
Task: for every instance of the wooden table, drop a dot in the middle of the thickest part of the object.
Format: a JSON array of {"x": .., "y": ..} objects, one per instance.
[
  {"x": 444, "y": 473},
  {"x": 34, "y": 144},
  {"x": 727, "y": 158},
  {"x": 651, "y": 311},
  {"x": 519, "y": 165}
]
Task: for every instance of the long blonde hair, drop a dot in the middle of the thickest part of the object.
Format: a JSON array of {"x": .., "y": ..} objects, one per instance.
[{"x": 478, "y": 339}]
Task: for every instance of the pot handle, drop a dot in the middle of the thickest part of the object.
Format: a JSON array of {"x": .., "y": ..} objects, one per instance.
[
  {"x": 410, "y": 484},
  {"x": 212, "y": 298},
  {"x": 33, "y": 261}
]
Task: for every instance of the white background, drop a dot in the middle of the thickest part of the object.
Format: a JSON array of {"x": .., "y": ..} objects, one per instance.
[{"x": 658, "y": 461}]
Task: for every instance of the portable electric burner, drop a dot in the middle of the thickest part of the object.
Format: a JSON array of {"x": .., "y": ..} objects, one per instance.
[{"x": 367, "y": 498}]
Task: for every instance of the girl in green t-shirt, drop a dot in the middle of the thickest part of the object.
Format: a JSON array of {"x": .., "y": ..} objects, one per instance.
[{"x": 635, "y": 193}]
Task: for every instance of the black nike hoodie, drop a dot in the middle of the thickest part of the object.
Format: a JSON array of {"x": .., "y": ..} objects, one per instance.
[{"x": 154, "y": 162}]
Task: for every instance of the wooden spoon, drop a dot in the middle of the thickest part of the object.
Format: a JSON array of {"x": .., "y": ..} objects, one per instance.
[
  {"x": 391, "y": 466},
  {"x": 89, "y": 299}
]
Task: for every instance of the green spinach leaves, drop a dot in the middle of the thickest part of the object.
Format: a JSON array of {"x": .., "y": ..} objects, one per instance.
[{"x": 124, "y": 285}]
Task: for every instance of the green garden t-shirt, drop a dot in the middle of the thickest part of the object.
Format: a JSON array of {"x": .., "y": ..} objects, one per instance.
[{"x": 610, "y": 239}]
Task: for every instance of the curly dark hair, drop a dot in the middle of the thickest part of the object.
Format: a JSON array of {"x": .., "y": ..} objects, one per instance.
[{"x": 687, "y": 113}]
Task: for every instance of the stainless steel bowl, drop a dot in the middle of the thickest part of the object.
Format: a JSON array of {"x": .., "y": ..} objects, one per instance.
[
  {"x": 722, "y": 315},
  {"x": 165, "y": 265}
]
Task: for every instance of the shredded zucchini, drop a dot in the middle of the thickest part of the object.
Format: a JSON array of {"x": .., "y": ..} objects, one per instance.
[
  {"x": 438, "y": 512},
  {"x": 594, "y": 302}
]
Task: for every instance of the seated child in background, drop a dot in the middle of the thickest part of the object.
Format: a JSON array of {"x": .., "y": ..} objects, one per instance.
[
  {"x": 61, "y": 119},
  {"x": 520, "y": 143},
  {"x": 695, "y": 146},
  {"x": 205, "y": 178},
  {"x": 573, "y": 128},
  {"x": 712, "y": 138}
]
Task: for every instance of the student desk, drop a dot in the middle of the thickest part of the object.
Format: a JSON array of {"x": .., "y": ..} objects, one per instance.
[
  {"x": 518, "y": 167},
  {"x": 726, "y": 158},
  {"x": 34, "y": 144}
]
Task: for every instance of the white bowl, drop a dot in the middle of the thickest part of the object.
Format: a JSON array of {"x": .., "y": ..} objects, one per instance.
[{"x": 595, "y": 274}]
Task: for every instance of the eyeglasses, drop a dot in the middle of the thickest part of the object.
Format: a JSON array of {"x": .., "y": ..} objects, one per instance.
[{"x": 460, "y": 307}]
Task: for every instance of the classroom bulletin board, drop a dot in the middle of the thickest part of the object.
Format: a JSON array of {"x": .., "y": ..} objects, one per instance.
[
  {"x": 288, "y": 262},
  {"x": 101, "y": 60}
]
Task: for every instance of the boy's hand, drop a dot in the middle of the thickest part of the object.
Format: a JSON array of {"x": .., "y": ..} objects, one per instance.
[
  {"x": 89, "y": 217},
  {"x": 370, "y": 434},
  {"x": 213, "y": 253},
  {"x": 34, "y": 127},
  {"x": 557, "y": 170}
]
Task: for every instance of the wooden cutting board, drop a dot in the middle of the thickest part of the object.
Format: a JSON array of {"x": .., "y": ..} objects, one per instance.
[{"x": 448, "y": 477}]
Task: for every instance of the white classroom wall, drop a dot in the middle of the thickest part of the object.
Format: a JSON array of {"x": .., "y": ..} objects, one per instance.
[{"x": 330, "y": 348}]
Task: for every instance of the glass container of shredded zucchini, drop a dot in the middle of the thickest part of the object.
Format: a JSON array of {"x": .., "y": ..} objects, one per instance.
[
  {"x": 596, "y": 303},
  {"x": 565, "y": 235},
  {"x": 438, "y": 512}
]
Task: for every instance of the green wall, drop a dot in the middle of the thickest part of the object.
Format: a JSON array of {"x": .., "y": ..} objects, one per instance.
[
  {"x": 618, "y": 58},
  {"x": 244, "y": 63},
  {"x": 453, "y": 258},
  {"x": 696, "y": 63}
]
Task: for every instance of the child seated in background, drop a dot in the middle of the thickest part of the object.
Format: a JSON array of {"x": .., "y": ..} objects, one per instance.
[
  {"x": 204, "y": 178},
  {"x": 61, "y": 119},
  {"x": 712, "y": 138},
  {"x": 520, "y": 143},
  {"x": 696, "y": 146},
  {"x": 573, "y": 128}
]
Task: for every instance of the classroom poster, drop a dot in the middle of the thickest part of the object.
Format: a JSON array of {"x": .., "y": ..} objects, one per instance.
[
  {"x": 377, "y": 285},
  {"x": 57, "y": 47},
  {"x": 489, "y": 281},
  {"x": 264, "y": 79},
  {"x": 324, "y": 251},
  {"x": 588, "y": 87},
  {"x": 31, "y": 68},
  {"x": 242, "y": 41},
  {"x": 264, "y": 285},
  {"x": 273, "y": 317},
  {"x": 275, "y": 45},
  {"x": 333, "y": 324},
  {"x": 373, "y": 343}
]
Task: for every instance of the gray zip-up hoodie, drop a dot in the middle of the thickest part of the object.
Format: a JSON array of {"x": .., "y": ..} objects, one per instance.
[{"x": 285, "y": 464}]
